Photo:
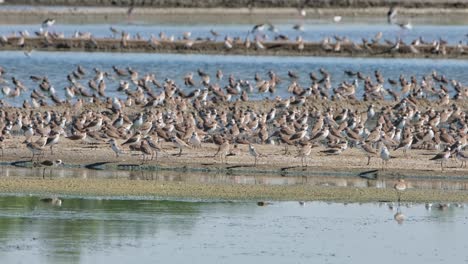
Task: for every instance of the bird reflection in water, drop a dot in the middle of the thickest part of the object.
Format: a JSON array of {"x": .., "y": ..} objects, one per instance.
[{"x": 399, "y": 216}]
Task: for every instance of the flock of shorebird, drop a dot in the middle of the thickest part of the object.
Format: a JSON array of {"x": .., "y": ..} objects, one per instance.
[
  {"x": 255, "y": 39},
  {"x": 425, "y": 114}
]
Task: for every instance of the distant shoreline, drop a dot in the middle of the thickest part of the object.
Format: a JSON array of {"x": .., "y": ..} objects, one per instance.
[
  {"x": 249, "y": 3},
  {"x": 11, "y": 14},
  {"x": 271, "y": 48}
]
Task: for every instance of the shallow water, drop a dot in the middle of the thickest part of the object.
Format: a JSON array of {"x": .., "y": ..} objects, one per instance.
[
  {"x": 313, "y": 30},
  {"x": 56, "y": 65},
  {"x": 121, "y": 231},
  {"x": 450, "y": 183}
]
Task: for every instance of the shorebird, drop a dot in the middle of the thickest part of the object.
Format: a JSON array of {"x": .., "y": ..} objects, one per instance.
[
  {"x": 77, "y": 137},
  {"x": 304, "y": 152},
  {"x": 368, "y": 150},
  {"x": 463, "y": 157},
  {"x": 49, "y": 164},
  {"x": 48, "y": 23},
  {"x": 115, "y": 148},
  {"x": 442, "y": 157},
  {"x": 384, "y": 155},
  {"x": 145, "y": 150},
  {"x": 35, "y": 149},
  {"x": 391, "y": 14},
  {"x": 52, "y": 140},
  {"x": 400, "y": 186},
  {"x": 179, "y": 143},
  {"x": 195, "y": 140},
  {"x": 154, "y": 146},
  {"x": 253, "y": 152},
  {"x": 405, "y": 144},
  {"x": 223, "y": 151},
  {"x": 135, "y": 139}
]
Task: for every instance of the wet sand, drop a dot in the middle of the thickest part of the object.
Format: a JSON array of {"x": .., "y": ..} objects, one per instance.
[
  {"x": 183, "y": 190},
  {"x": 277, "y": 48}
]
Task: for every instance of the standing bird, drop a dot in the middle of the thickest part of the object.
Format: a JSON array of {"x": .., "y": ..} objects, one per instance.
[
  {"x": 154, "y": 146},
  {"x": 254, "y": 153},
  {"x": 35, "y": 148},
  {"x": 195, "y": 140},
  {"x": 400, "y": 186},
  {"x": 52, "y": 140},
  {"x": 179, "y": 143},
  {"x": 50, "y": 164},
  {"x": 385, "y": 156},
  {"x": 463, "y": 157},
  {"x": 145, "y": 150},
  {"x": 223, "y": 151},
  {"x": 368, "y": 150},
  {"x": 135, "y": 139},
  {"x": 115, "y": 148},
  {"x": 442, "y": 157},
  {"x": 304, "y": 153}
]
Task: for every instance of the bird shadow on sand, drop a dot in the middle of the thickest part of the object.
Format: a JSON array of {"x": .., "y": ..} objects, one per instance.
[
  {"x": 302, "y": 168},
  {"x": 97, "y": 165},
  {"x": 240, "y": 166}
]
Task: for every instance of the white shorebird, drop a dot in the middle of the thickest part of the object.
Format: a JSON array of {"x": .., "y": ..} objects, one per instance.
[
  {"x": 253, "y": 152},
  {"x": 385, "y": 156},
  {"x": 195, "y": 140},
  {"x": 115, "y": 147}
]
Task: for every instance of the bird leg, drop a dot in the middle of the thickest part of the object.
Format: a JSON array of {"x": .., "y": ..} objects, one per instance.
[
  {"x": 180, "y": 152},
  {"x": 368, "y": 160}
]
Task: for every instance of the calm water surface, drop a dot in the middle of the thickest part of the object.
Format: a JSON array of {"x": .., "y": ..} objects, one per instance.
[{"x": 123, "y": 231}]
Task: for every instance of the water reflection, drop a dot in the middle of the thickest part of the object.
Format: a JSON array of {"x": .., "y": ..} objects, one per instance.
[
  {"x": 250, "y": 179},
  {"x": 120, "y": 231},
  {"x": 82, "y": 225}
]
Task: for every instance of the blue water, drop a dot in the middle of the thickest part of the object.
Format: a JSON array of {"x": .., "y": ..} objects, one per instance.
[{"x": 123, "y": 231}]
